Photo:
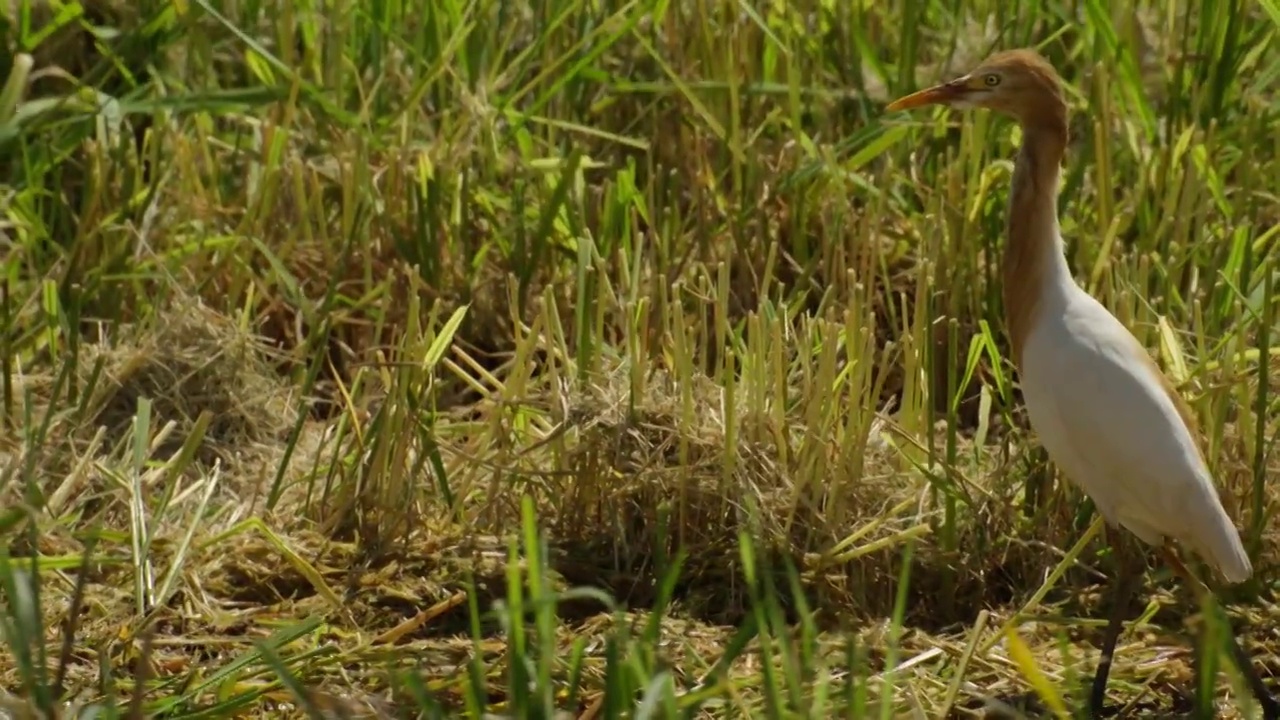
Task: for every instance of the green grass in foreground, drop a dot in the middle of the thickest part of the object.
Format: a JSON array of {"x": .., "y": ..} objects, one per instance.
[{"x": 614, "y": 358}]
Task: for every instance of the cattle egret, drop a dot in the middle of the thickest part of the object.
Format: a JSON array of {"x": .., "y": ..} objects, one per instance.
[{"x": 1103, "y": 410}]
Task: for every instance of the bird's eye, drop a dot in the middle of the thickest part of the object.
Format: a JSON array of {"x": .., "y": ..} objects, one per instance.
[{"x": 991, "y": 80}]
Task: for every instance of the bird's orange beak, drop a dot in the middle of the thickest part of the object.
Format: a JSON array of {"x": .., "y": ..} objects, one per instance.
[{"x": 943, "y": 94}]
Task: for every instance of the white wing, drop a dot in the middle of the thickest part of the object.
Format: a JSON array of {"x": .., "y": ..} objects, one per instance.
[{"x": 1105, "y": 417}]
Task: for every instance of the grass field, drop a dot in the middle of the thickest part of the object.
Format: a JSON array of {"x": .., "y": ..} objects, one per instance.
[{"x": 610, "y": 358}]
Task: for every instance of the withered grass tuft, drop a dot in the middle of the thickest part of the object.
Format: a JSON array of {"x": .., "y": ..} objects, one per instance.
[{"x": 594, "y": 360}]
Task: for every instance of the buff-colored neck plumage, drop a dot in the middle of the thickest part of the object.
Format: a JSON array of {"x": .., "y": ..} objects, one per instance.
[
  {"x": 1033, "y": 257},
  {"x": 1033, "y": 254}
]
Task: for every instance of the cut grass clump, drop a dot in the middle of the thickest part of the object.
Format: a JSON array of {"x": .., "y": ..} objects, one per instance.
[
  {"x": 644, "y": 477},
  {"x": 188, "y": 360}
]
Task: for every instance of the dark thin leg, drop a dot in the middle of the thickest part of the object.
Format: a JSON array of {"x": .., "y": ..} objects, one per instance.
[
  {"x": 1122, "y": 596},
  {"x": 1123, "y": 582},
  {"x": 1270, "y": 708}
]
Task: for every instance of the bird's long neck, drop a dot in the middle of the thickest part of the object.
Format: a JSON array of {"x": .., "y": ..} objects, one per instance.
[{"x": 1034, "y": 264}]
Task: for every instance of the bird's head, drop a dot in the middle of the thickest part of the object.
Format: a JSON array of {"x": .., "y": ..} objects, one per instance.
[{"x": 1018, "y": 83}]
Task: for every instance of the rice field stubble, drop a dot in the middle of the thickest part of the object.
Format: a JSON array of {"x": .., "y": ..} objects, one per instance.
[{"x": 602, "y": 358}]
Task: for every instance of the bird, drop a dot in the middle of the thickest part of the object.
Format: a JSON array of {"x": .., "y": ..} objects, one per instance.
[{"x": 1104, "y": 412}]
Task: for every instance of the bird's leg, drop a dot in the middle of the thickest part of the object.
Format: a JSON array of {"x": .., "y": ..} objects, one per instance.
[
  {"x": 1270, "y": 707},
  {"x": 1123, "y": 581}
]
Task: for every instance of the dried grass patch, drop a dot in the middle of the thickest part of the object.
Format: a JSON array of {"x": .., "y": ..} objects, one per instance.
[{"x": 628, "y": 481}]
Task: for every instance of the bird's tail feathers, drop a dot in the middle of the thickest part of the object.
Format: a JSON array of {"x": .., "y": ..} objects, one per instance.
[{"x": 1219, "y": 543}]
